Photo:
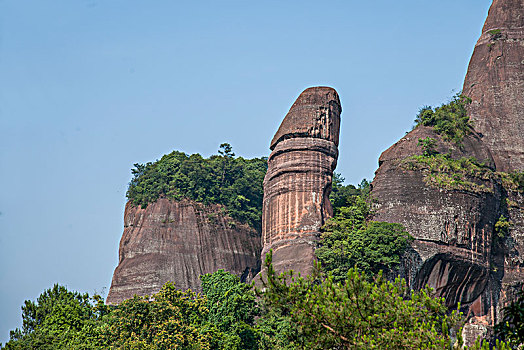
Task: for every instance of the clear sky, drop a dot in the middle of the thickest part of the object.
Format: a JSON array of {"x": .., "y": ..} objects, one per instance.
[{"x": 87, "y": 88}]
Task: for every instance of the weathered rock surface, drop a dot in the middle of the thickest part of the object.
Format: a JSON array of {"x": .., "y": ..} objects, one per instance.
[
  {"x": 178, "y": 242},
  {"x": 495, "y": 83},
  {"x": 452, "y": 229},
  {"x": 456, "y": 249},
  {"x": 298, "y": 181}
]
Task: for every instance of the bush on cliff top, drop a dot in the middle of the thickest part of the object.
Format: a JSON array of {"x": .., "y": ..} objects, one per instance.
[
  {"x": 234, "y": 182},
  {"x": 449, "y": 120}
]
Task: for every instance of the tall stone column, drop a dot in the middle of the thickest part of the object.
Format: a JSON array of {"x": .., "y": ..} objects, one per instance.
[
  {"x": 298, "y": 181},
  {"x": 495, "y": 83}
]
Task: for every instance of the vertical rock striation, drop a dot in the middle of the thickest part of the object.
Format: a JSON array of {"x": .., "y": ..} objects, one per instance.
[
  {"x": 178, "y": 241},
  {"x": 457, "y": 250},
  {"x": 495, "y": 83},
  {"x": 298, "y": 181},
  {"x": 453, "y": 229}
]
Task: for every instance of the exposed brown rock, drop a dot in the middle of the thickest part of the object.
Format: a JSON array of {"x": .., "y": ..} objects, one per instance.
[
  {"x": 452, "y": 228},
  {"x": 298, "y": 180},
  {"x": 456, "y": 249},
  {"x": 495, "y": 83},
  {"x": 178, "y": 242}
]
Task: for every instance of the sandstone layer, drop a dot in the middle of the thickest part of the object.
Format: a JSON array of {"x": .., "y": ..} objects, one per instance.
[
  {"x": 495, "y": 83},
  {"x": 178, "y": 241},
  {"x": 453, "y": 229},
  {"x": 457, "y": 250},
  {"x": 298, "y": 181}
]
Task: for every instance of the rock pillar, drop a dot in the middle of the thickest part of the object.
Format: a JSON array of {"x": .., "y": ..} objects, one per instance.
[
  {"x": 495, "y": 83},
  {"x": 298, "y": 181}
]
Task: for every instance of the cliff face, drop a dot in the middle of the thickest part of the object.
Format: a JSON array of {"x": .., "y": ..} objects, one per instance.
[
  {"x": 453, "y": 229},
  {"x": 178, "y": 242},
  {"x": 495, "y": 83},
  {"x": 298, "y": 180},
  {"x": 457, "y": 250}
]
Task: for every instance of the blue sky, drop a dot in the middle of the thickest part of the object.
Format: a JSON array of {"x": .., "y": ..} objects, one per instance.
[{"x": 87, "y": 88}]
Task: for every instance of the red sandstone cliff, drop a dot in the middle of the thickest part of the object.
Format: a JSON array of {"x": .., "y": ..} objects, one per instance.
[
  {"x": 495, "y": 83},
  {"x": 179, "y": 241},
  {"x": 298, "y": 181},
  {"x": 456, "y": 250}
]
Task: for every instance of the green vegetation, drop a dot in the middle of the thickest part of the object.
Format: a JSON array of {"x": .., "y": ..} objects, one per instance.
[
  {"x": 442, "y": 171},
  {"x": 502, "y": 227},
  {"x": 428, "y": 146},
  {"x": 494, "y": 32},
  {"x": 221, "y": 318},
  {"x": 232, "y": 310},
  {"x": 449, "y": 120},
  {"x": 513, "y": 182},
  {"x": 511, "y": 328},
  {"x": 320, "y": 313},
  {"x": 349, "y": 240},
  {"x": 343, "y": 195},
  {"x": 312, "y": 313},
  {"x": 224, "y": 179},
  {"x": 59, "y": 319}
]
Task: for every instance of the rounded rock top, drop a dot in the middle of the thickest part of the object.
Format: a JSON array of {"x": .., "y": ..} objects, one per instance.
[{"x": 315, "y": 113}]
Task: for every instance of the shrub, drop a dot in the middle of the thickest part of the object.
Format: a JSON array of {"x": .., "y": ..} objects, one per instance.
[{"x": 449, "y": 120}]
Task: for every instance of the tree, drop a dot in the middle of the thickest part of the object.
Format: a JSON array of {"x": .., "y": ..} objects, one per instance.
[
  {"x": 170, "y": 319},
  {"x": 223, "y": 179},
  {"x": 449, "y": 120},
  {"x": 57, "y": 320},
  {"x": 358, "y": 313},
  {"x": 232, "y": 309},
  {"x": 350, "y": 240}
]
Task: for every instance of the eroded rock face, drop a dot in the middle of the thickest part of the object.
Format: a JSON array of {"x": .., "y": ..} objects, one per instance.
[
  {"x": 457, "y": 250},
  {"x": 452, "y": 228},
  {"x": 178, "y": 242},
  {"x": 298, "y": 181},
  {"x": 495, "y": 83}
]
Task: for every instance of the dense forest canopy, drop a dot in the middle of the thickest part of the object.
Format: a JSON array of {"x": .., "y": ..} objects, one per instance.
[
  {"x": 234, "y": 182},
  {"x": 289, "y": 313}
]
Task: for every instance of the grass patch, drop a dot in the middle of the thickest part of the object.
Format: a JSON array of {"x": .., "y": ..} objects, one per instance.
[{"x": 442, "y": 171}]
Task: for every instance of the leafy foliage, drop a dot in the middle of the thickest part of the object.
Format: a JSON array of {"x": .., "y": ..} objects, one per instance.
[
  {"x": 312, "y": 313},
  {"x": 58, "y": 319},
  {"x": 232, "y": 309},
  {"x": 222, "y": 318},
  {"x": 428, "y": 146},
  {"x": 449, "y": 120},
  {"x": 358, "y": 314},
  {"x": 466, "y": 174},
  {"x": 502, "y": 227},
  {"x": 350, "y": 240},
  {"x": 170, "y": 319},
  {"x": 513, "y": 181},
  {"x": 511, "y": 328},
  {"x": 343, "y": 195},
  {"x": 233, "y": 182}
]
